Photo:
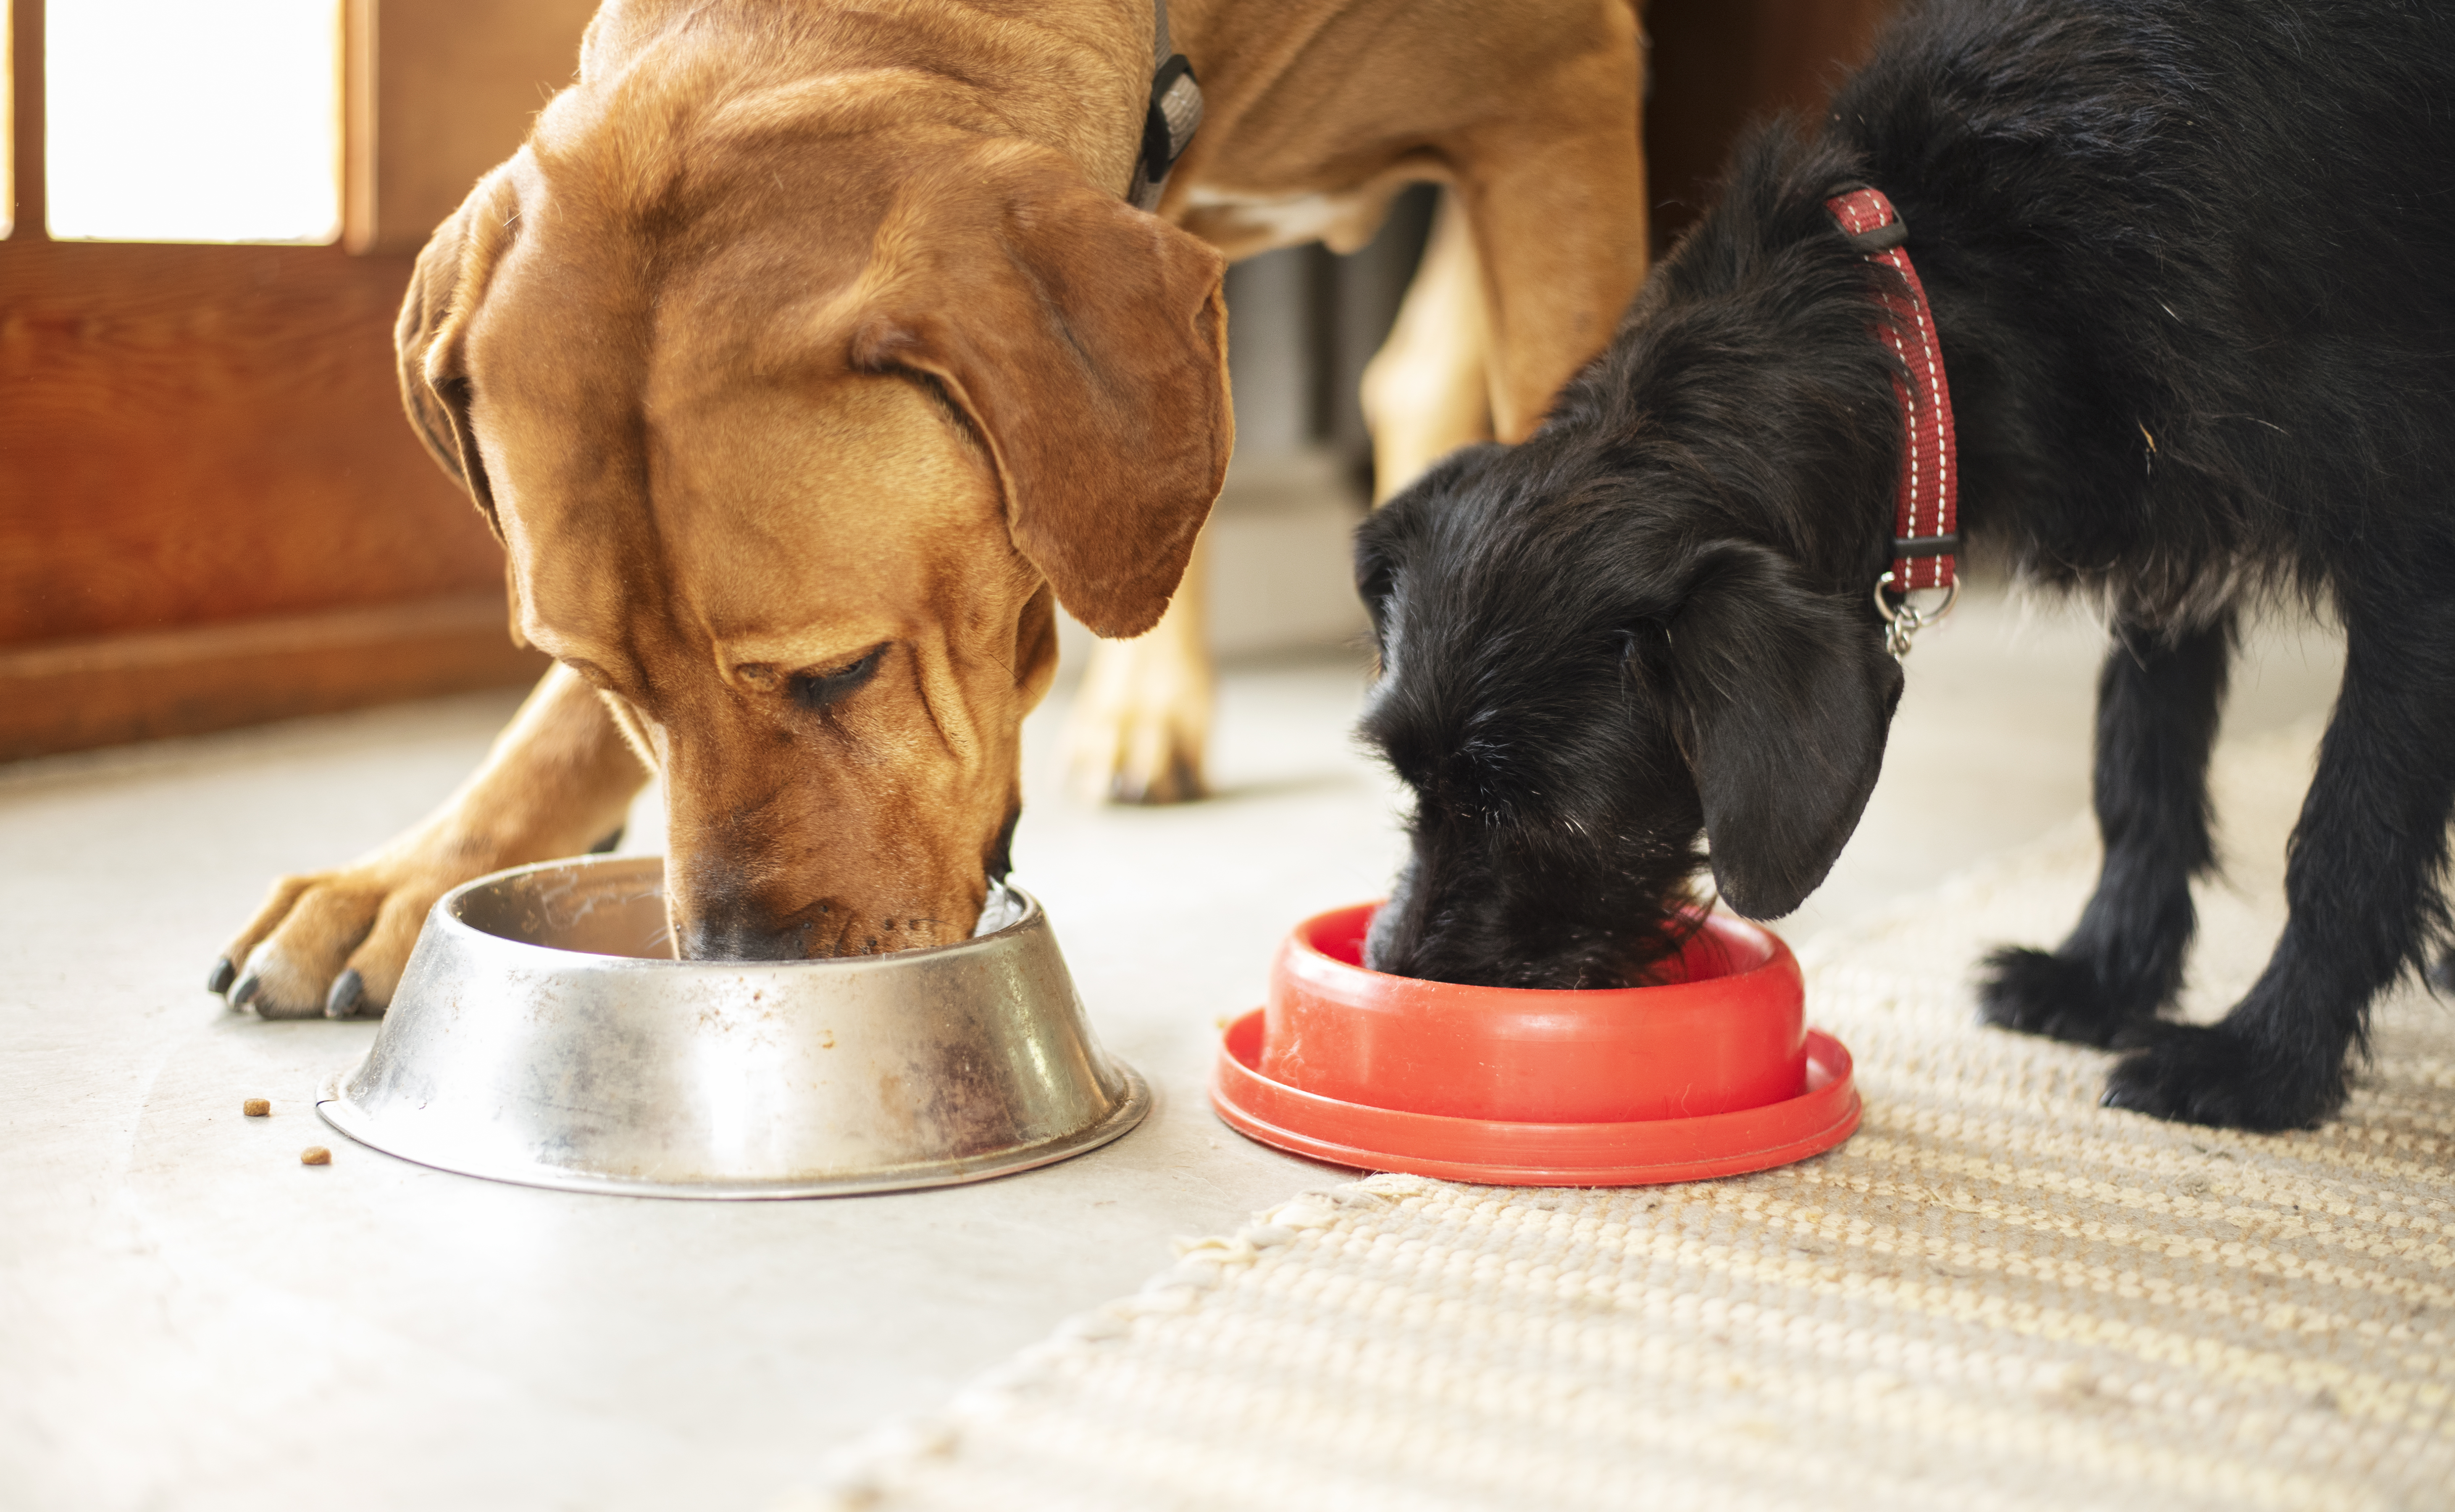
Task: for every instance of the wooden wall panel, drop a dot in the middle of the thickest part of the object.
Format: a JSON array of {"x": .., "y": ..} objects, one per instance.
[
  {"x": 213, "y": 511},
  {"x": 201, "y": 434},
  {"x": 74, "y": 696},
  {"x": 442, "y": 90}
]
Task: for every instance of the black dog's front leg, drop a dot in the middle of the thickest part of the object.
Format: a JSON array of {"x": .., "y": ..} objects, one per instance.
[
  {"x": 2361, "y": 883},
  {"x": 2156, "y": 705}
]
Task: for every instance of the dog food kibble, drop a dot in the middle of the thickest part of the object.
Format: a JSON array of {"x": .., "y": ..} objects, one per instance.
[
  {"x": 314, "y": 1155},
  {"x": 256, "y": 1107}
]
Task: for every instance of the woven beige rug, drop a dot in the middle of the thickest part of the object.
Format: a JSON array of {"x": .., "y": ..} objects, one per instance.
[{"x": 1996, "y": 1295}]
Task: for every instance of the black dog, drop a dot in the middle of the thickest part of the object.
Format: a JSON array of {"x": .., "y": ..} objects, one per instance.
[{"x": 2192, "y": 263}]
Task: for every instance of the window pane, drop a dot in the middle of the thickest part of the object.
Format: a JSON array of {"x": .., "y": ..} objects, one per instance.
[{"x": 183, "y": 120}]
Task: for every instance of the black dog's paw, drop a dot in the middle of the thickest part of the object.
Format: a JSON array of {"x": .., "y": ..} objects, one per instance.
[
  {"x": 2440, "y": 974},
  {"x": 2040, "y": 993},
  {"x": 2206, "y": 1074}
]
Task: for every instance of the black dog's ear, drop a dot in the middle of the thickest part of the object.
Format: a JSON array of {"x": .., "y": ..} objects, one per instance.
[{"x": 1786, "y": 694}]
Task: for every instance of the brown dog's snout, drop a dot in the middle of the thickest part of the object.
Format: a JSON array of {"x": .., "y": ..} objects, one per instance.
[
  {"x": 718, "y": 920},
  {"x": 809, "y": 865},
  {"x": 718, "y": 917}
]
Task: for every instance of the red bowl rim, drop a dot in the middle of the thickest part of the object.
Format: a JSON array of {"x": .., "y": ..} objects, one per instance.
[
  {"x": 1339, "y": 981},
  {"x": 1508, "y": 1153},
  {"x": 1720, "y": 1043}
]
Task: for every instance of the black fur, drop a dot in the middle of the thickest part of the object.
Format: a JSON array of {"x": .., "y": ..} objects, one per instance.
[{"x": 2193, "y": 266}]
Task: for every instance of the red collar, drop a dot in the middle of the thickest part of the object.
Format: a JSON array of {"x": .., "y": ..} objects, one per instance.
[{"x": 1926, "y": 514}]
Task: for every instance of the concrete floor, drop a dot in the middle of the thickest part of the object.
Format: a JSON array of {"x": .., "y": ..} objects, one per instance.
[{"x": 190, "y": 1319}]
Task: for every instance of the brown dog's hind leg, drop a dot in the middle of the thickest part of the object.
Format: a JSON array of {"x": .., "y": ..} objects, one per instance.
[
  {"x": 558, "y": 778},
  {"x": 1555, "y": 196},
  {"x": 1141, "y": 719},
  {"x": 1427, "y": 392}
]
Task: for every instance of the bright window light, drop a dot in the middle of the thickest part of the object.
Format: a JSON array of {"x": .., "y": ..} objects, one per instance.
[{"x": 179, "y": 120}]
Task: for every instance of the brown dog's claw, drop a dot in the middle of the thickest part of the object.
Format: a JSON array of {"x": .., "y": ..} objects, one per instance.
[
  {"x": 218, "y": 979},
  {"x": 333, "y": 944},
  {"x": 1178, "y": 782},
  {"x": 1141, "y": 720}
]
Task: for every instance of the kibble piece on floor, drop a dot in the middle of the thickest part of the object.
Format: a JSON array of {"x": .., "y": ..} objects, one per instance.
[
  {"x": 314, "y": 1155},
  {"x": 256, "y": 1107}
]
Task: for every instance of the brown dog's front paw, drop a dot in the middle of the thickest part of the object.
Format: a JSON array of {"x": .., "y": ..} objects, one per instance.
[
  {"x": 1141, "y": 721},
  {"x": 331, "y": 943}
]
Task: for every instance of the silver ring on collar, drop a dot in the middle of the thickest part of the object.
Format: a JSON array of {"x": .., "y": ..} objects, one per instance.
[{"x": 1902, "y": 621}]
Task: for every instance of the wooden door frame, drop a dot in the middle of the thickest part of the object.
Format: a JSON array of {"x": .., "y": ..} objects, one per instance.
[{"x": 269, "y": 540}]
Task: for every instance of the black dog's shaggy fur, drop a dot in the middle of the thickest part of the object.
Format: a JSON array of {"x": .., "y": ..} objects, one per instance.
[{"x": 2193, "y": 266}]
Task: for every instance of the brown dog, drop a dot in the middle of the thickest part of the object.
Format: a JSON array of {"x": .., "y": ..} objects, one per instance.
[{"x": 807, "y": 357}]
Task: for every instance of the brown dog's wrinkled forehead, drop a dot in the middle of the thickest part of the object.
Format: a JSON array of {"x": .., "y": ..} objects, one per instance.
[
  {"x": 664, "y": 434},
  {"x": 594, "y": 347}
]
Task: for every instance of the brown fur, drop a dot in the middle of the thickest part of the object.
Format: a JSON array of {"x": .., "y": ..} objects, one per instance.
[{"x": 798, "y": 332}]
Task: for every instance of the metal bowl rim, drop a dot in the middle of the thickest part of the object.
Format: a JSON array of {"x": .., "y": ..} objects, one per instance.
[
  {"x": 445, "y": 914},
  {"x": 344, "y": 1115}
]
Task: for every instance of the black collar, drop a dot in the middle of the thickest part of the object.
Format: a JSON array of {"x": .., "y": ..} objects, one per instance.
[{"x": 1175, "y": 113}]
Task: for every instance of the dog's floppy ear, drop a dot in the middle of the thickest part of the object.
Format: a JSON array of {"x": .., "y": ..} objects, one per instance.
[
  {"x": 1786, "y": 694},
  {"x": 1087, "y": 344},
  {"x": 428, "y": 338}
]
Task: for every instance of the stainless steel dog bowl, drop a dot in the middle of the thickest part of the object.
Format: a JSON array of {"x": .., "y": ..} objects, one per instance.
[{"x": 544, "y": 1035}]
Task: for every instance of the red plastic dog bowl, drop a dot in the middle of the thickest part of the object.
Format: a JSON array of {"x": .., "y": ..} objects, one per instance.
[{"x": 1709, "y": 1075}]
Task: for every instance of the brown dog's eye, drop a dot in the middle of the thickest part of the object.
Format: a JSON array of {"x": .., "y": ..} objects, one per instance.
[{"x": 825, "y": 690}]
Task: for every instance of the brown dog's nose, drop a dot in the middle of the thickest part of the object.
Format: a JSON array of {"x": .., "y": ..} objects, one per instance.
[
  {"x": 716, "y": 918},
  {"x": 740, "y": 937}
]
